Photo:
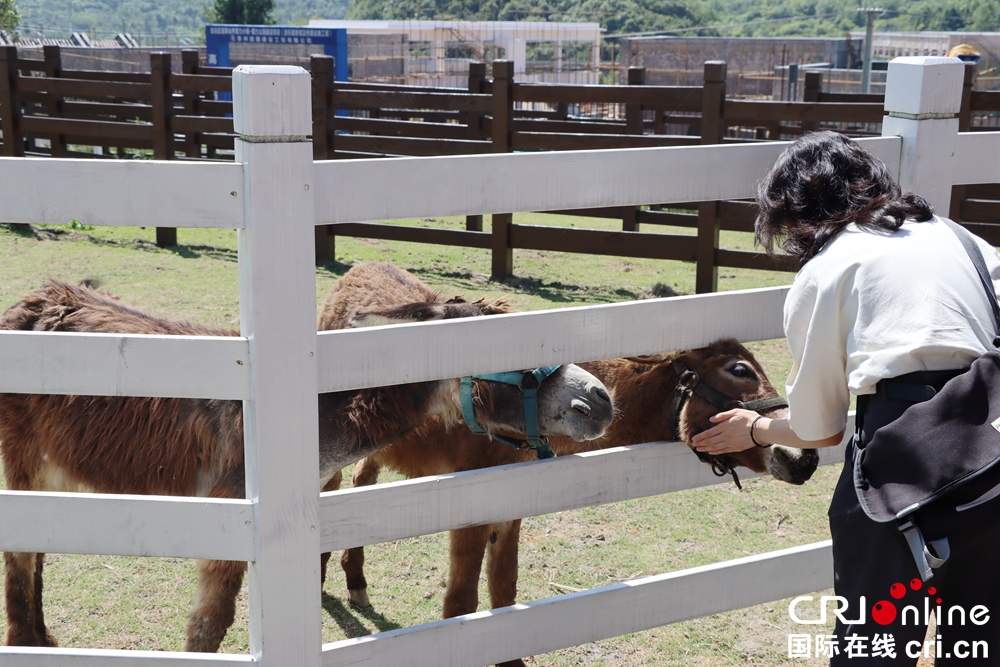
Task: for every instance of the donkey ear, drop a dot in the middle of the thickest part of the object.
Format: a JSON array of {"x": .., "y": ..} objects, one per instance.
[
  {"x": 651, "y": 358},
  {"x": 407, "y": 314}
]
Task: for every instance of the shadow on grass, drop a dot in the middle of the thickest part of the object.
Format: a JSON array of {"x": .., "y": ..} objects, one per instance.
[
  {"x": 333, "y": 267},
  {"x": 349, "y": 618},
  {"x": 556, "y": 291},
  {"x": 23, "y": 230},
  {"x": 58, "y": 233},
  {"x": 195, "y": 251}
]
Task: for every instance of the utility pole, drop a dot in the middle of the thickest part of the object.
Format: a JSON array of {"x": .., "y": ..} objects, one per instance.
[{"x": 866, "y": 72}]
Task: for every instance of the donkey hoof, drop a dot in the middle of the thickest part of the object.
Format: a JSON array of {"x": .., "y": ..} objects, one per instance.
[
  {"x": 359, "y": 598},
  {"x": 15, "y": 637}
]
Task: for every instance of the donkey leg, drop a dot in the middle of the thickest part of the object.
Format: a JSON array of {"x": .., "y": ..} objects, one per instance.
[
  {"x": 467, "y": 548},
  {"x": 45, "y": 637},
  {"x": 353, "y": 560},
  {"x": 501, "y": 562},
  {"x": 22, "y": 570},
  {"x": 219, "y": 583},
  {"x": 324, "y": 558},
  {"x": 23, "y": 596},
  {"x": 501, "y": 569}
]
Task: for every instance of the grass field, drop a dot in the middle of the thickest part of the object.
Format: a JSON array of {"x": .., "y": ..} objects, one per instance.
[{"x": 135, "y": 603}]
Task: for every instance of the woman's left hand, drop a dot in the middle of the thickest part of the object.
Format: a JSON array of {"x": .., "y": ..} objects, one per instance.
[{"x": 730, "y": 434}]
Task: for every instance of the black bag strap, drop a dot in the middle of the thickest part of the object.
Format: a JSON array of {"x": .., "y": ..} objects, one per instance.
[{"x": 984, "y": 275}]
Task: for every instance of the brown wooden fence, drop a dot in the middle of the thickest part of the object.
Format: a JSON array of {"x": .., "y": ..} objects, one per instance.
[
  {"x": 164, "y": 112},
  {"x": 648, "y": 111},
  {"x": 177, "y": 116}
]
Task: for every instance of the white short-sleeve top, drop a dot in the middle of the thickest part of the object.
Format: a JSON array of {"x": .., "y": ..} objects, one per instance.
[{"x": 875, "y": 305}]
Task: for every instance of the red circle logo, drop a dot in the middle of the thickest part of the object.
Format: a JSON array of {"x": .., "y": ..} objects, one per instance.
[
  {"x": 897, "y": 591},
  {"x": 884, "y": 612},
  {"x": 916, "y": 584}
]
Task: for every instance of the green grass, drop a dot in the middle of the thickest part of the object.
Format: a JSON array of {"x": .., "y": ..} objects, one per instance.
[{"x": 136, "y": 603}]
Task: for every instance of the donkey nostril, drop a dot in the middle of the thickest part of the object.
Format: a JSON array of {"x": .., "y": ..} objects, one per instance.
[
  {"x": 581, "y": 406},
  {"x": 600, "y": 394}
]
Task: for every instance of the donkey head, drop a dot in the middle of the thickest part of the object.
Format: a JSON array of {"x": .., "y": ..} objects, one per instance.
[
  {"x": 729, "y": 376},
  {"x": 527, "y": 405}
]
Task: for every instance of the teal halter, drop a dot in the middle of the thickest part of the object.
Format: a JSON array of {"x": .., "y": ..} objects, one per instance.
[{"x": 535, "y": 439}]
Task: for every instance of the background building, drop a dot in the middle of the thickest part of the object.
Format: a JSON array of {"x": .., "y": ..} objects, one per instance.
[{"x": 439, "y": 52}]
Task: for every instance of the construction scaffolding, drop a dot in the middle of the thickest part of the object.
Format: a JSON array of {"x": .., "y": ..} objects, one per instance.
[
  {"x": 438, "y": 53},
  {"x": 679, "y": 61},
  {"x": 889, "y": 45}
]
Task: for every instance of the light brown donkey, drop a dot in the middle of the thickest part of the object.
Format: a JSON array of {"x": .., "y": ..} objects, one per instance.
[{"x": 644, "y": 391}]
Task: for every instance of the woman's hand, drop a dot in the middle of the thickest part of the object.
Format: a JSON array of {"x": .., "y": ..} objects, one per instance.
[{"x": 730, "y": 434}]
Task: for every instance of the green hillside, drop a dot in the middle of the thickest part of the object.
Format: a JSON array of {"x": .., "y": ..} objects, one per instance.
[
  {"x": 150, "y": 18},
  {"x": 743, "y": 18},
  {"x": 147, "y": 19}
]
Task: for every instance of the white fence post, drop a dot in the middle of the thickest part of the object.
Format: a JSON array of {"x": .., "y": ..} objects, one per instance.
[
  {"x": 272, "y": 115},
  {"x": 923, "y": 96}
]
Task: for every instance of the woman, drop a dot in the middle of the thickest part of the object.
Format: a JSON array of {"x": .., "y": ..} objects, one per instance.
[{"x": 886, "y": 299}]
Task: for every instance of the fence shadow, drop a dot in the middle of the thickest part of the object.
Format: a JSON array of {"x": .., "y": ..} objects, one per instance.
[{"x": 193, "y": 251}]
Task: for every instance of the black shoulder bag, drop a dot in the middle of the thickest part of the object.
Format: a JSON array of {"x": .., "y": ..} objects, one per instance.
[{"x": 935, "y": 470}]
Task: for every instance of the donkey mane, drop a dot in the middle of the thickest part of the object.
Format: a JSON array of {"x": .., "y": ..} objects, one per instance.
[{"x": 59, "y": 306}]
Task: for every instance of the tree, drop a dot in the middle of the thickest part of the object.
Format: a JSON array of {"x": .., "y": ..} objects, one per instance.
[
  {"x": 243, "y": 12},
  {"x": 9, "y": 16}
]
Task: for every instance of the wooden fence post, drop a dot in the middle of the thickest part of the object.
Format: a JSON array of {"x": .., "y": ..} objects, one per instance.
[
  {"x": 474, "y": 127},
  {"x": 163, "y": 107},
  {"x": 633, "y": 112},
  {"x": 163, "y": 135},
  {"x": 321, "y": 69},
  {"x": 713, "y": 98},
  {"x": 54, "y": 103},
  {"x": 10, "y": 103},
  {"x": 474, "y": 119},
  {"x": 922, "y": 99},
  {"x": 189, "y": 65},
  {"x": 271, "y": 115},
  {"x": 503, "y": 114},
  {"x": 964, "y": 123},
  {"x": 633, "y": 125},
  {"x": 810, "y": 93},
  {"x": 10, "y": 111}
]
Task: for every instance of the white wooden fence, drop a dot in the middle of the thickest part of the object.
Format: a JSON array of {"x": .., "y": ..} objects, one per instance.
[{"x": 274, "y": 194}]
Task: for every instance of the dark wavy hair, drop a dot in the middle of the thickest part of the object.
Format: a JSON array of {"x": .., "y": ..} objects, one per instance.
[{"x": 820, "y": 184}]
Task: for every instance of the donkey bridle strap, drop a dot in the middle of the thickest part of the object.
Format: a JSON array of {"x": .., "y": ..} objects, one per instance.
[
  {"x": 529, "y": 381},
  {"x": 689, "y": 383}
]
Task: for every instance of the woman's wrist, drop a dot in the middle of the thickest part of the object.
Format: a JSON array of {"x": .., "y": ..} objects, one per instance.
[
  {"x": 758, "y": 443},
  {"x": 779, "y": 432}
]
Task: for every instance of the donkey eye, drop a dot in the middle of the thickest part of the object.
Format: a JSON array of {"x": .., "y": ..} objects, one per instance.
[{"x": 742, "y": 370}]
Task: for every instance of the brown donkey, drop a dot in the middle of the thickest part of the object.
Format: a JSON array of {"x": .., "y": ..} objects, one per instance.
[
  {"x": 194, "y": 447},
  {"x": 644, "y": 391}
]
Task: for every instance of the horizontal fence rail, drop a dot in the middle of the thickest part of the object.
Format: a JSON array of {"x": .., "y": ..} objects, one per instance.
[
  {"x": 40, "y": 657},
  {"x": 446, "y": 186},
  {"x": 373, "y": 514},
  {"x": 977, "y": 158},
  {"x": 376, "y": 356},
  {"x": 93, "y": 364},
  {"x": 485, "y": 637},
  {"x": 121, "y": 192},
  {"x": 124, "y": 525}
]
